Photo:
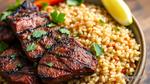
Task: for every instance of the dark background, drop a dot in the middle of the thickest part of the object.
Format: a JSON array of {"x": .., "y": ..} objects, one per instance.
[{"x": 141, "y": 10}]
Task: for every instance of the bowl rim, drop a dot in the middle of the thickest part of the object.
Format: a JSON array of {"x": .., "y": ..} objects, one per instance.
[{"x": 142, "y": 62}]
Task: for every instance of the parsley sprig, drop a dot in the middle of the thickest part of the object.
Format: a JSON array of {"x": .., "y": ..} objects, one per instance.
[
  {"x": 96, "y": 49},
  {"x": 31, "y": 47},
  {"x": 10, "y": 10},
  {"x": 3, "y": 46},
  {"x": 39, "y": 33},
  {"x": 49, "y": 64},
  {"x": 57, "y": 17},
  {"x": 64, "y": 31}
]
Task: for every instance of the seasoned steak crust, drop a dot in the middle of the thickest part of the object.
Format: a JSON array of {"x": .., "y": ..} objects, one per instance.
[
  {"x": 15, "y": 69},
  {"x": 66, "y": 60},
  {"x": 27, "y": 19}
]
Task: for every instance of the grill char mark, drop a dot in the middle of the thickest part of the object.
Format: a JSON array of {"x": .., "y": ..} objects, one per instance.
[
  {"x": 66, "y": 51},
  {"x": 13, "y": 73},
  {"x": 24, "y": 22},
  {"x": 27, "y": 19}
]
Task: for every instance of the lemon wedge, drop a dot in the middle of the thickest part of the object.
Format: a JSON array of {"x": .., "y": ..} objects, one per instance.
[{"x": 119, "y": 10}]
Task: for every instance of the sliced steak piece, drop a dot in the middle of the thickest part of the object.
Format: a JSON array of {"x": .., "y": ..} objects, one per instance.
[
  {"x": 14, "y": 68},
  {"x": 22, "y": 79},
  {"x": 35, "y": 37},
  {"x": 5, "y": 33},
  {"x": 42, "y": 38},
  {"x": 66, "y": 60},
  {"x": 34, "y": 51},
  {"x": 27, "y": 19},
  {"x": 24, "y": 76},
  {"x": 9, "y": 60},
  {"x": 30, "y": 39}
]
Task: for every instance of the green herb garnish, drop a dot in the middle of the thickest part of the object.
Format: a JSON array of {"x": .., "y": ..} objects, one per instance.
[
  {"x": 4, "y": 15},
  {"x": 102, "y": 20},
  {"x": 3, "y": 46},
  {"x": 49, "y": 64},
  {"x": 74, "y": 2},
  {"x": 19, "y": 65},
  {"x": 10, "y": 10},
  {"x": 64, "y": 31},
  {"x": 13, "y": 56},
  {"x": 51, "y": 25},
  {"x": 48, "y": 46},
  {"x": 31, "y": 47},
  {"x": 57, "y": 17},
  {"x": 96, "y": 49},
  {"x": 39, "y": 33}
]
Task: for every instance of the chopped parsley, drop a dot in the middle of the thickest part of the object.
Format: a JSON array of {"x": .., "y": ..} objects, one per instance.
[
  {"x": 39, "y": 33},
  {"x": 48, "y": 46},
  {"x": 3, "y": 46},
  {"x": 19, "y": 65},
  {"x": 64, "y": 31},
  {"x": 13, "y": 56},
  {"x": 10, "y": 10},
  {"x": 102, "y": 20},
  {"x": 74, "y": 2},
  {"x": 4, "y": 15},
  {"x": 31, "y": 47},
  {"x": 57, "y": 17},
  {"x": 51, "y": 25},
  {"x": 49, "y": 64},
  {"x": 96, "y": 49}
]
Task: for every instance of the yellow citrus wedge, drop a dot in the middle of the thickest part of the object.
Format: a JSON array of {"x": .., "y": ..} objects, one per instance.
[{"x": 119, "y": 10}]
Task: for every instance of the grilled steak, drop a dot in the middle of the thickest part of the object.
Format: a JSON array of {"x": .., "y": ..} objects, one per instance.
[
  {"x": 67, "y": 59},
  {"x": 5, "y": 33},
  {"x": 14, "y": 69},
  {"x": 42, "y": 43},
  {"x": 64, "y": 58},
  {"x": 25, "y": 76},
  {"x": 24, "y": 23},
  {"x": 32, "y": 35},
  {"x": 27, "y": 19}
]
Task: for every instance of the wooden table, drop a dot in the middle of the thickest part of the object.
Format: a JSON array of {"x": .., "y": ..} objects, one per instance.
[{"x": 140, "y": 9}]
